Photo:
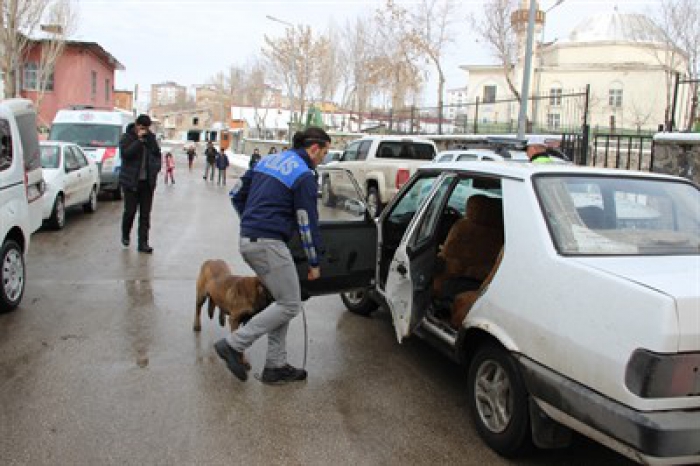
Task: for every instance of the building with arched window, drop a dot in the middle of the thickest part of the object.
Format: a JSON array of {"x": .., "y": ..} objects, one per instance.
[{"x": 623, "y": 57}]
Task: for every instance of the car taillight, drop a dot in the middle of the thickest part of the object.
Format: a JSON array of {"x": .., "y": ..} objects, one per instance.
[
  {"x": 34, "y": 191},
  {"x": 402, "y": 176},
  {"x": 657, "y": 375},
  {"x": 109, "y": 153}
]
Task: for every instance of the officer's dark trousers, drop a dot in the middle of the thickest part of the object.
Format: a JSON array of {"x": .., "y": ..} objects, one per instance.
[{"x": 142, "y": 200}]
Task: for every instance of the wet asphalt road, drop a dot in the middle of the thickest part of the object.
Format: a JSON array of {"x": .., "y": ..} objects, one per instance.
[{"x": 100, "y": 365}]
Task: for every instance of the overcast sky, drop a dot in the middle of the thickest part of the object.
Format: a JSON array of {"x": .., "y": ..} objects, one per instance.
[{"x": 187, "y": 41}]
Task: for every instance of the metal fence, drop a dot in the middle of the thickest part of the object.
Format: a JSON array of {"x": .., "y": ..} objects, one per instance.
[{"x": 549, "y": 113}]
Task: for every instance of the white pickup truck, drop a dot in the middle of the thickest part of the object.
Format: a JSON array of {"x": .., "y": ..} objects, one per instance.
[{"x": 380, "y": 165}]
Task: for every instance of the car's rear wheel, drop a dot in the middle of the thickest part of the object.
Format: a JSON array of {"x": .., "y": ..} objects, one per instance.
[
  {"x": 499, "y": 401},
  {"x": 91, "y": 205},
  {"x": 58, "y": 214},
  {"x": 12, "y": 276},
  {"x": 359, "y": 302},
  {"x": 326, "y": 193},
  {"x": 374, "y": 202}
]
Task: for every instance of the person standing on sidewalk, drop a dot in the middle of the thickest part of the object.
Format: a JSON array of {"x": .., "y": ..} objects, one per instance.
[
  {"x": 141, "y": 162},
  {"x": 210, "y": 153},
  {"x": 275, "y": 198},
  {"x": 221, "y": 165}
]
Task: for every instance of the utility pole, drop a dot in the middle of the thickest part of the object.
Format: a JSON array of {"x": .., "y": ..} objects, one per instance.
[{"x": 525, "y": 90}]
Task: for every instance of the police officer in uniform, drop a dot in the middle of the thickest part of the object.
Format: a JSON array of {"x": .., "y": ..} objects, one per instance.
[{"x": 275, "y": 198}]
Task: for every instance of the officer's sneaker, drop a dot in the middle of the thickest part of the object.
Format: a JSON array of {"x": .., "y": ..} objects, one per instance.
[
  {"x": 233, "y": 358},
  {"x": 282, "y": 375}
]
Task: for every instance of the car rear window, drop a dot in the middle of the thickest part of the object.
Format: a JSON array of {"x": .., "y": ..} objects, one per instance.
[
  {"x": 5, "y": 145},
  {"x": 30, "y": 140},
  {"x": 49, "y": 156},
  {"x": 86, "y": 134},
  {"x": 620, "y": 215},
  {"x": 406, "y": 150}
]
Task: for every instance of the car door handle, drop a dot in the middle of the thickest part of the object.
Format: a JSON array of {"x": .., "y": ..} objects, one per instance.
[{"x": 401, "y": 269}]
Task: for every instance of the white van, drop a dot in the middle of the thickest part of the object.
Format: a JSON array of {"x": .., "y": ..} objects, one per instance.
[
  {"x": 21, "y": 188},
  {"x": 97, "y": 132}
]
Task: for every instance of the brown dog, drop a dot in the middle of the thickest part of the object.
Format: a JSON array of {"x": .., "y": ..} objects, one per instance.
[{"x": 238, "y": 297}]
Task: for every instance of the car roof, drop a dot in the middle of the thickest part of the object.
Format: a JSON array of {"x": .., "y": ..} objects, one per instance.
[
  {"x": 522, "y": 171},
  {"x": 398, "y": 138}
]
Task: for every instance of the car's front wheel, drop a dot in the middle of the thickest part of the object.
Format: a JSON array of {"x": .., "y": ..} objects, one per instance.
[
  {"x": 499, "y": 401},
  {"x": 359, "y": 302},
  {"x": 12, "y": 276},
  {"x": 58, "y": 214},
  {"x": 91, "y": 205}
]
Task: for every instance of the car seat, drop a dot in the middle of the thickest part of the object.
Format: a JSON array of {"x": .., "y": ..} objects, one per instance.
[
  {"x": 464, "y": 301},
  {"x": 471, "y": 247}
]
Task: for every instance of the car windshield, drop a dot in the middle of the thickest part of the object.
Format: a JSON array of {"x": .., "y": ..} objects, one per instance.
[
  {"x": 621, "y": 215},
  {"x": 50, "y": 156},
  {"x": 86, "y": 135}
]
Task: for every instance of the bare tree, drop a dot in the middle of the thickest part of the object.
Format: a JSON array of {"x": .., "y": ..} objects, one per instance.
[
  {"x": 289, "y": 60},
  {"x": 430, "y": 32},
  {"x": 496, "y": 30},
  {"x": 61, "y": 21},
  {"x": 257, "y": 93},
  {"x": 327, "y": 73},
  {"x": 396, "y": 64},
  {"x": 680, "y": 22},
  {"x": 357, "y": 52},
  {"x": 19, "y": 19}
]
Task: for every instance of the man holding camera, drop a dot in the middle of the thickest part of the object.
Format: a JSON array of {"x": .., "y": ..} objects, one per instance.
[{"x": 141, "y": 162}]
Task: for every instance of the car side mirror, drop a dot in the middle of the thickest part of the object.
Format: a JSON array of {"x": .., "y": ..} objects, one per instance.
[{"x": 355, "y": 207}]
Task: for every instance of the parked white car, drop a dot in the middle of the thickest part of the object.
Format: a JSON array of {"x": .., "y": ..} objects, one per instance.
[
  {"x": 72, "y": 179},
  {"x": 21, "y": 191},
  {"x": 470, "y": 155},
  {"x": 570, "y": 295}
]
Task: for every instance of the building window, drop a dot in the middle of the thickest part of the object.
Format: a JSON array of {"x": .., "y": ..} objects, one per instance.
[
  {"x": 107, "y": 89},
  {"x": 615, "y": 98},
  {"x": 555, "y": 97},
  {"x": 553, "y": 121},
  {"x": 93, "y": 89},
  {"x": 30, "y": 81},
  {"x": 489, "y": 94}
]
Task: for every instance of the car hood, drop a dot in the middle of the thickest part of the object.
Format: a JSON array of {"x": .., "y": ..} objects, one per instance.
[{"x": 675, "y": 276}]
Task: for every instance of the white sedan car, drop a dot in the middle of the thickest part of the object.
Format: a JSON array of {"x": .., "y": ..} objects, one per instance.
[
  {"x": 72, "y": 179},
  {"x": 485, "y": 155},
  {"x": 570, "y": 295}
]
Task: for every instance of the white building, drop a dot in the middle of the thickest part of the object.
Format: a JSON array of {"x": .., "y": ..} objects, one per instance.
[
  {"x": 456, "y": 99},
  {"x": 621, "y": 56}
]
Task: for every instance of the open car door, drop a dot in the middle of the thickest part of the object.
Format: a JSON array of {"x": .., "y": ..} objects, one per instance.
[
  {"x": 408, "y": 289},
  {"x": 349, "y": 234}
]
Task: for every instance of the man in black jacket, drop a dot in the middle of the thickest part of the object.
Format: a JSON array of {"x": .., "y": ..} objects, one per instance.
[{"x": 141, "y": 162}]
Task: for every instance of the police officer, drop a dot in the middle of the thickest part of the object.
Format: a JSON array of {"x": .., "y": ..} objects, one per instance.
[
  {"x": 537, "y": 151},
  {"x": 276, "y": 197}
]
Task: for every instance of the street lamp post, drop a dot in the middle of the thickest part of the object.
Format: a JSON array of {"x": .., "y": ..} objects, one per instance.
[{"x": 292, "y": 79}]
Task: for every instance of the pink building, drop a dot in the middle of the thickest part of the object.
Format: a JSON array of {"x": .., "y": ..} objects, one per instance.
[{"x": 83, "y": 75}]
